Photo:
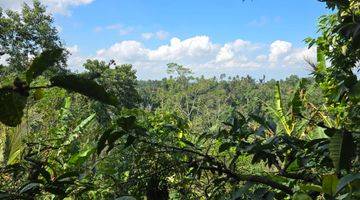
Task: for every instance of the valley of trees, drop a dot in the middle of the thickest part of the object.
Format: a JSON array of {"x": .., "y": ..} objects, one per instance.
[{"x": 103, "y": 134}]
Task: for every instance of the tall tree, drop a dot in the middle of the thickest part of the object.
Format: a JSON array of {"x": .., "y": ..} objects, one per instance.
[{"x": 25, "y": 35}]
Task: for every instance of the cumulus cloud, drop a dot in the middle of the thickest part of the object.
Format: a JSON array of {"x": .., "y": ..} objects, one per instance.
[
  {"x": 300, "y": 54},
  {"x": 75, "y": 59},
  {"x": 54, "y": 6},
  {"x": 225, "y": 53},
  {"x": 277, "y": 49},
  {"x": 204, "y": 56},
  {"x": 124, "y": 52},
  {"x": 197, "y": 48},
  {"x": 235, "y": 50}
]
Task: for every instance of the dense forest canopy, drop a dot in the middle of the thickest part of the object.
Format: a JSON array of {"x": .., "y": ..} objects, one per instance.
[{"x": 103, "y": 134}]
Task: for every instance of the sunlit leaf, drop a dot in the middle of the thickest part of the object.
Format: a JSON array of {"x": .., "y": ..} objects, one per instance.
[
  {"x": 329, "y": 183},
  {"x": 79, "y": 158},
  {"x": 301, "y": 196}
]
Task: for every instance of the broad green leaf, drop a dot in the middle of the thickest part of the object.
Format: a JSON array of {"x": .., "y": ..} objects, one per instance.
[
  {"x": 317, "y": 133},
  {"x": 84, "y": 123},
  {"x": 79, "y": 158},
  {"x": 321, "y": 60},
  {"x": 109, "y": 137},
  {"x": 38, "y": 94},
  {"x": 328, "y": 121},
  {"x": 101, "y": 144},
  {"x": 310, "y": 187},
  {"x": 83, "y": 86},
  {"x": 28, "y": 187},
  {"x": 13, "y": 157},
  {"x": 346, "y": 180},
  {"x": 341, "y": 149},
  {"x": 262, "y": 121},
  {"x": 294, "y": 165},
  {"x": 297, "y": 100},
  {"x": 329, "y": 183},
  {"x": 301, "y": 196},
  {"x": 71, "y": 174},
  {"x": 278, "y": 111},
  {"x": 12, "y": 104},
  {"x": 335, "y": 148},
  {"x": 45, "y": 60}
]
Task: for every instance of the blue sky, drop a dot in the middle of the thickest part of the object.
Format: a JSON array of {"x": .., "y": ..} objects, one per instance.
[{"x": 209, "y": 36}]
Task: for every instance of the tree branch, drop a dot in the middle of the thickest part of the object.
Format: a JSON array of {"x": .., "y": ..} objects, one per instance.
[{"x": 220, "y": 167}]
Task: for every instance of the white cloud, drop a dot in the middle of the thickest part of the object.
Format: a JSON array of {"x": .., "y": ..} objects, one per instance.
[
  {"x": 124, "y": 52},
  {"x": 264, "y": 20},
  {"x": 225, "y": 53},
  {"x": 277, "y": 49},
  {"x": 235, "y": 50},
  {"x": 299, "y": 55},
  {"x": 73, "y": 49},
  {"x": 161, "y": 35},
  {"x": 203, "y": 56},
  {"x": 75, "y": 60},
  {"x": 261, "y": 58},
  {"x": 54, "y": 6},
  {"x": 196, "y": 49},
  {"x": 147, "y": 36},
  {"x": 121, "y": 29}
]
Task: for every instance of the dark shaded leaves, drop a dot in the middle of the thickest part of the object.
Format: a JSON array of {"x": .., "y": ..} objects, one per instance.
[
  {"x": 12, "y": 104},
  {"x": 225, "y": 146},
  {"x": 29, "y": 187},
  {"x": 346, "y": 180},
  {"x": 341, "y": 149},
  {"x": 83, "y": 86},
  {"x": 45, "y": 60}
]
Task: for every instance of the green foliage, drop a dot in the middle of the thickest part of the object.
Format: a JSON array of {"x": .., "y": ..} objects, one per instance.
[
  {"x": 45, "y": 60},
  {"x": 120, "y": 81},
  {"x": 181, "y": 137},
  {"x": 12, "y": 104},
  {"x": 346, "y": 181},
  {"x": 329, "y": 183},
  {"x": 341, "y": 149},
  {"x": 27, "y": 34},
  {"x": 83, "y": 86}
]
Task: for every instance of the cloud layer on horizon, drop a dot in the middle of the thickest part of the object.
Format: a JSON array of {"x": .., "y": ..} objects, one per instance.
[{"x": 202, "y": 56}]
